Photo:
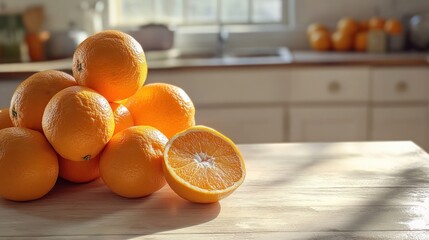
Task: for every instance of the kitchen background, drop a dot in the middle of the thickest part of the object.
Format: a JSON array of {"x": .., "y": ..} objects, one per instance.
[{"x": 271, "y": 87}]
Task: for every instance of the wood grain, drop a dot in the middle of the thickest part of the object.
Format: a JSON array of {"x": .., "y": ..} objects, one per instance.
[{"x": 366, "y": 190}]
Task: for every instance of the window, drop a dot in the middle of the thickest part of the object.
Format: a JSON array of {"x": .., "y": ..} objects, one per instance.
[{"x": 199, "y": 12}]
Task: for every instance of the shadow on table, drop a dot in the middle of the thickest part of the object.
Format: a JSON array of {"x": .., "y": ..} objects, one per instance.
[
  {"x": 87, "y": 208},
  {"x": 411, "y": 177}
]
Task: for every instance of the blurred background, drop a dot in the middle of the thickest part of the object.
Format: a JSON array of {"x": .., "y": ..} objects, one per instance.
[{"x": 260, "y": 70}]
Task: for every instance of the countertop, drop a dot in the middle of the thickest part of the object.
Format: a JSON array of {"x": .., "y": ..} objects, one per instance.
[
  {"x": 296, "y": 58},
  {"x": 360, "y": 190}
]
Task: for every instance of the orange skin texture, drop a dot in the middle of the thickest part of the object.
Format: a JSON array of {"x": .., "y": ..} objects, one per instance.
[
  {"x": 198, "y": 180},
  {"x": 123, "y": 117},
  {"x": 166, "y": 107},
  {"x": 79, "y": 171},
  {"x": 320, "y": 41},
  {"x": 5, "y": 120},
  {"x": 131, "y": 163},
  {"x": 342, "y": 41},
  {"x": 78, "y": 122},
  {"x": 376, "y": 23},
  {"x": 348, "y": 26},
  {"x": 112, "y": 63},
  {"x": 28, "y": 164},
  {"x": 361, "y": 42},
  {"x": 33, "y": 94},
  {"x": 393, "y": 26}
]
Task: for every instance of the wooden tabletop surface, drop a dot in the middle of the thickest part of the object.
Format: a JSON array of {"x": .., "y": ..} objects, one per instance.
[{"x": 367, "y": 190}]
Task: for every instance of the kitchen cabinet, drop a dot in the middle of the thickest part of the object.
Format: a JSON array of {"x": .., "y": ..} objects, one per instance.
[
  {"x": 239, "y": 85},
  {"x": 328, "y": 124},
  {"x": 7, "y": 88},
  {"x": 243, "y": 103},
  {"x": 329, "y": 84},
  {"x": 400, "y": 105},
  {"x": 245, "y": 125},
  {"x": 399, "y": 123},
  {"x": 311, "y": 103}
]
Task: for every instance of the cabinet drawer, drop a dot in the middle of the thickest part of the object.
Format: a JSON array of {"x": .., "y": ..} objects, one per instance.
[
  {"x": 330, "y": 84},
  {"x": 228, "y": 85},
  {"x": 400, "y": 84},
  {"x": 245, "y": 125}
]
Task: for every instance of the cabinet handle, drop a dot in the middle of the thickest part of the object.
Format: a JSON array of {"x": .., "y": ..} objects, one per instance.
[
  {"x": 334, "y": 87},
  {"x": 401, "y": 87}
]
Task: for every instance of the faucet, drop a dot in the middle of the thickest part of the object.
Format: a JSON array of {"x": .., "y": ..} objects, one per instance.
[{"x": 222, "y": 37}]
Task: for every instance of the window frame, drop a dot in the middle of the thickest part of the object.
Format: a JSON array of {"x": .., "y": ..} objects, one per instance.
[{"x": 287, "y": 21}]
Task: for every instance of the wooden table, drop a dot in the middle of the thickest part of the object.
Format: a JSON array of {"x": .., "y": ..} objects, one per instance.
[{"x": 377, "y": 190}]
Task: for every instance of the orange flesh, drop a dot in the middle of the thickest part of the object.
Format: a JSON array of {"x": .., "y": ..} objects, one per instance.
[{"x": 205, "y": 161}]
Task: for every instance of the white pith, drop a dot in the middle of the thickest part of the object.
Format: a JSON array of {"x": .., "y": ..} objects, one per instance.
[{"x": 204, "y": 160}]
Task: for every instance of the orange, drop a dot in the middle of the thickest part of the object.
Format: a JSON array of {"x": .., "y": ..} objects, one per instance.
[
  {"x": 5, "y": 121},
  {"x": 361, "y": 42},
  {"x": 79, "y": 171},
  {"x": 28, "y": 164},
  {"x": 364, "y": 26},
  {"x": 320, "y": 41},
  {"x": 376, "y": 23},
  {"x": 202, "y": 165},
  {"x": 123, "y": 118},
  {"x": 131, "y": 164},
  {"x": 393, "y": 26},
  {"x": 163, "y": 106},
  {"x": 348, "y": 26},
  {"x": 316, "y": 27},
  {"x": 32, "y": 95},
  {"x": 78, "y": 122},
  {"x": 342, "y": 41},
  {"x": 112, "y": 63}
]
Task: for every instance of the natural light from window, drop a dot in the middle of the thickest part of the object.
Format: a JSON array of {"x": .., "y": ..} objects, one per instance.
[{"x": 199, "y": 12}]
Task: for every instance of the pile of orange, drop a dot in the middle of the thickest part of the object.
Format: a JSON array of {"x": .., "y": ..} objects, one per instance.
[
  {"x": 350, "y": 34},
  {"x": 104, "y": 122}
]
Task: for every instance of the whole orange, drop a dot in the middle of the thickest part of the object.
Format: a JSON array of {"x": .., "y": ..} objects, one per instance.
[
  {"x": 78, "y": 122},
  {"x": 376, "y": 23},
  {"x": 364, "y": 26},
  {"x": 348, "y": 26},
  {"x": 320, "y": 41},
  {"x": 5, "y": 121},
  {"x": 361, "y": 42},
  {"x": 393, "y": 26},
  {"x": 112, "y": 63},
  {"x": 123, "y": 118},
  {"x": 28, "y": 164},
  {"x": 316, "y": 27},
  {"x": 131, "y": 163},
  {"x": 342, "y": 41},
  {"x": 166, "y": 107},
  {"x": 79, "y": 171},
  {"x": 30, "y": 98}
]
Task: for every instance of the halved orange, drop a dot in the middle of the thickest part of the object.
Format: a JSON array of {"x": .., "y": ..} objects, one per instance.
[{"x": 202, "y": 165}]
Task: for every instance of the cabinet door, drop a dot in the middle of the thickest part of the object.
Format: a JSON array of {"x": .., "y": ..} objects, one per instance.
[
  {"x": 401, "y": 123},
  {"x": 7, "y": 88},
  {"x": 245, "y": 125},
  {"x": 328, "y": 124}
]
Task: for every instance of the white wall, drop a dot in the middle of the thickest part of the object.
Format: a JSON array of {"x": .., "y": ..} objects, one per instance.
[{"x": 60, "y": 12}]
